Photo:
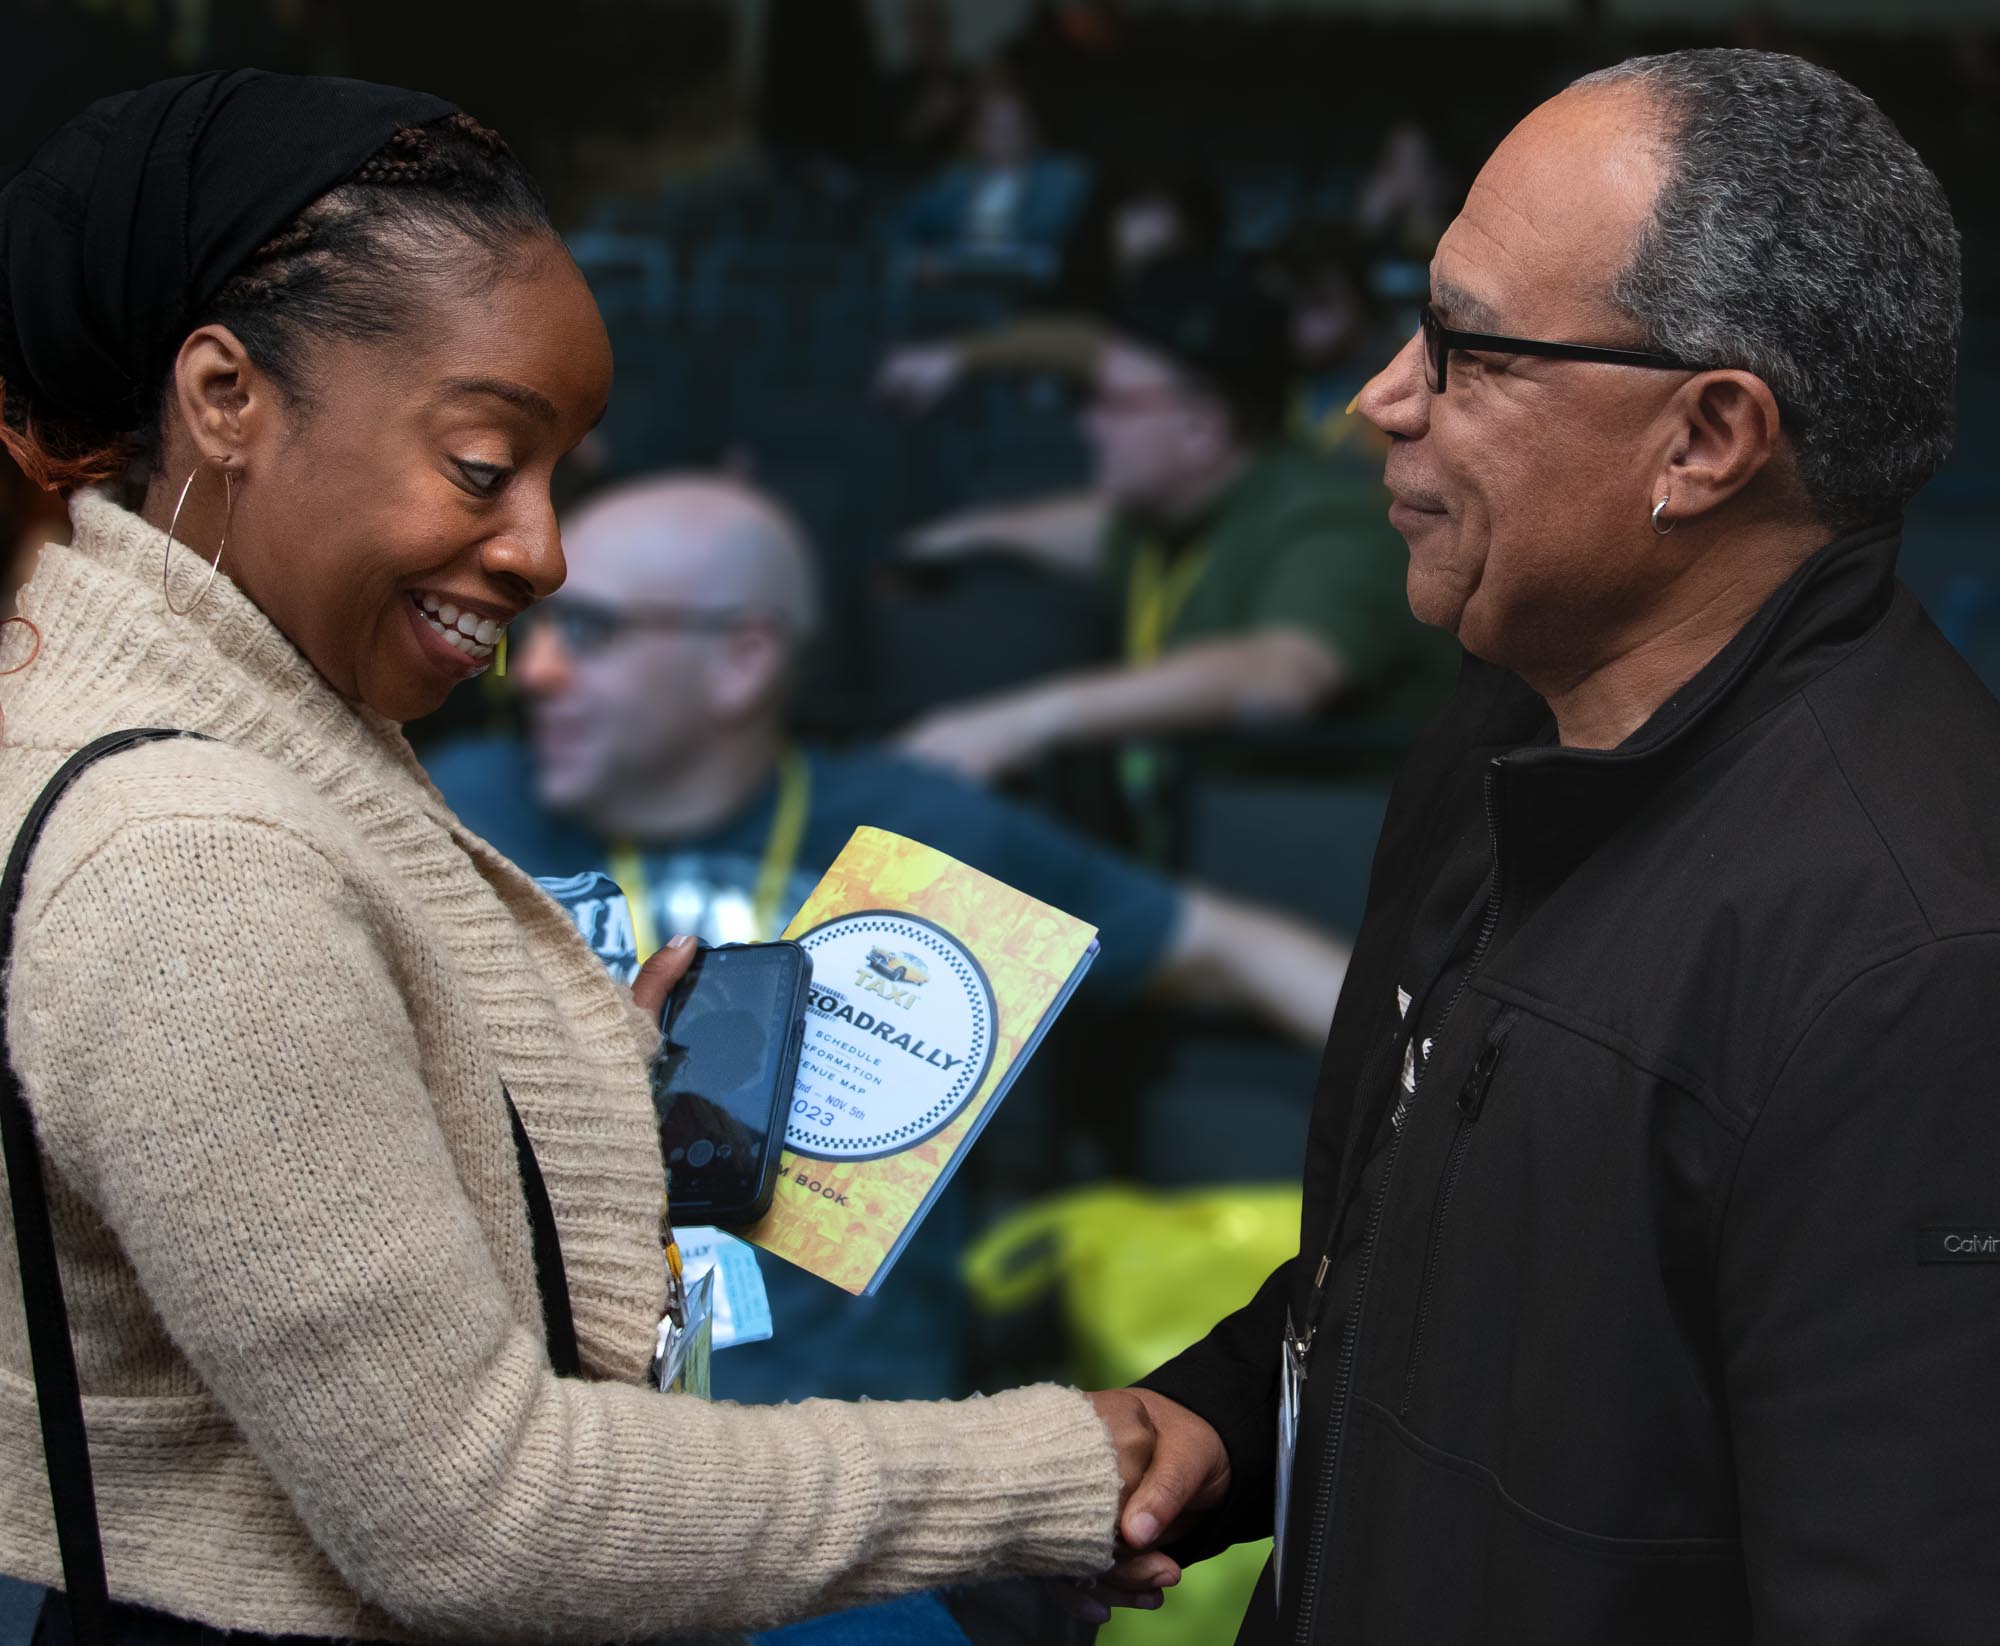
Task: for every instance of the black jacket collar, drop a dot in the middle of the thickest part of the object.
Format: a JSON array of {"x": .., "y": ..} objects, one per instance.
[{"x": 1559, "y": 802}]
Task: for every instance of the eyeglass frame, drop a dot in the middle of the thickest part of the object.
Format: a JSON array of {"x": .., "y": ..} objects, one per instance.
[
  {"x": 619, "y": 618},
  {"x": 1439, "y": 340}
]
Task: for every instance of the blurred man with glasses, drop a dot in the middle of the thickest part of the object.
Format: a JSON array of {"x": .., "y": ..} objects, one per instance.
[{"x": 1649, "y": 1277}]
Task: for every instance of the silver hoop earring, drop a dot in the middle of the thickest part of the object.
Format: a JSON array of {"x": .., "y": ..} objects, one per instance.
[
  {"x": 1657, "y": 527},
  {"x": 173, "y": 525}
]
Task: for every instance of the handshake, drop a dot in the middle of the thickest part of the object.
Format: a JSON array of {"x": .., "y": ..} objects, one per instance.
[{"x": 1172, "y": 1469}]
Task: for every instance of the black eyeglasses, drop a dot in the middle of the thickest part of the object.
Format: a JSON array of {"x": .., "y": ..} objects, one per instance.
[
  {"x": 1440, "y": 340},
  {"x": 585, "y": 625}
]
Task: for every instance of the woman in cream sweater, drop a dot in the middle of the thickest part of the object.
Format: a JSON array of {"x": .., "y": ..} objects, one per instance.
[{"x": 267, "y": 990}]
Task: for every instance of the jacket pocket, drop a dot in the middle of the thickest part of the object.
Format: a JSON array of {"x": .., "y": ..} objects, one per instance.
[
  {"x": 1470, "y": 1104},
  {"x": 1433, "y": 1547}
]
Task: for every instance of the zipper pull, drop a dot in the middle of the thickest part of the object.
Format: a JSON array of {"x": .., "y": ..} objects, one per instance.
[{"x": 1472, "y": 1095}]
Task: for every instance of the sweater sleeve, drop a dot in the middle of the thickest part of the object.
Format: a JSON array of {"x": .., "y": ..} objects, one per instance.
[
  {"x": 222, "y": 1064},
  {"x": 1858, "y": 1313}
]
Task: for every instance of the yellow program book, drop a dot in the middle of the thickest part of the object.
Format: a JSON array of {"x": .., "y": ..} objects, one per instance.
[{"x": 932, "y": 986}]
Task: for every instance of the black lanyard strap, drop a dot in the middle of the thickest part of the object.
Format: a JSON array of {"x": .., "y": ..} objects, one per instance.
[
  {"x": 1379, "y": 1089},
  {"x": 51, "y": 1352}
]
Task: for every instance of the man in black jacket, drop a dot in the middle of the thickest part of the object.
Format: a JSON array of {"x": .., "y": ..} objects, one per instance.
[{"x": 1649, "y": 1282}]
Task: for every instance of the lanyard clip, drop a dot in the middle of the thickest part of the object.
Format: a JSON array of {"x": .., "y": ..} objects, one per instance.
[{"x": 1300, "y": 1343}]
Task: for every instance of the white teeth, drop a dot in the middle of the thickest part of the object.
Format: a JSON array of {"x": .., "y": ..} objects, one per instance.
[
  {"x": 447, "y": 614},
  {"x": 473, "y": 636}
]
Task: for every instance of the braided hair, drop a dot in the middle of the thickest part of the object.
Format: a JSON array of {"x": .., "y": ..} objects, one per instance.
[{"x": 353, "y": 265}]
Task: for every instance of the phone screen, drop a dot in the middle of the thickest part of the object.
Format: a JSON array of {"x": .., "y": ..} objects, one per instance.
[{"x": 722, "y": 1084}]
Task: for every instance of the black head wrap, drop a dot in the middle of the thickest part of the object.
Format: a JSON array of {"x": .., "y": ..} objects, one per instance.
[{"x": 125, "y": 222}]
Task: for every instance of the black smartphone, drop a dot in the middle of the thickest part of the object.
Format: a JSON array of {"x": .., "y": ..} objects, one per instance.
[{"x": 722, "y": 1082}]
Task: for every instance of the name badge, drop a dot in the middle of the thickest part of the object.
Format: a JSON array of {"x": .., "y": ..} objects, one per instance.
[
  {"x": 742, "y": 1308},
  {"x": 1291, "y": 1395}
]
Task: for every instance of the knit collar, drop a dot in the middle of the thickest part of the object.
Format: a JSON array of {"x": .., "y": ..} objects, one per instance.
[{"x": 225, "y": 666}]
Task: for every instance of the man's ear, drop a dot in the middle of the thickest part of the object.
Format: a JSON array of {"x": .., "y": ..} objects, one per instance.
[
  {"x": 224, "y": 403},
  {"x": 749, "y": 668},
  {"x": 1727, "y": 433}
]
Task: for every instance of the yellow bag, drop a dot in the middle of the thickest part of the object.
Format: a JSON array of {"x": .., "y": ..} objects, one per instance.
[{"x": 1143, "y": 1273}]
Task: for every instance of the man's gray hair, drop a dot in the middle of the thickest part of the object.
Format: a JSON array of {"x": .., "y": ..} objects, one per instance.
[{"x": 1798, "y": 236}]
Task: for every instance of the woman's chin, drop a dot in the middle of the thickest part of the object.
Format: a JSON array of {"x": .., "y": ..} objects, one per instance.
[
  {"x": 401, "y": 693},
  {"x": 413, "y": 673},
  {"x": 400, "y": 706}
]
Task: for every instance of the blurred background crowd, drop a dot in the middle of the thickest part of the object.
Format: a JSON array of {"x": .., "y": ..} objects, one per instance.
[{"x": 979, "y": 466}]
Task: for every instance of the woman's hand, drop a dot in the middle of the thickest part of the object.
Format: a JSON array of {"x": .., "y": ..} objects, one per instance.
[{"x": 658, "y": 976}]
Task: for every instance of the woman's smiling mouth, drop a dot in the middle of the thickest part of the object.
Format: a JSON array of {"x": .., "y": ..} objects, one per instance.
[{"x": 472, "y": 637}]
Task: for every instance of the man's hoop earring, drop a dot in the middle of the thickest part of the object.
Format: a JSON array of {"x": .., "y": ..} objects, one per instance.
[
  {"x": 1657, "y": 527},
  {"x": 228, "y": 517}
]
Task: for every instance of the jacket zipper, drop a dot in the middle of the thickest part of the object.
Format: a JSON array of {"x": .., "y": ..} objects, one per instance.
[
  {"x": 1343, "y": 1370},
  {"x": 1471, "y": 1100}
]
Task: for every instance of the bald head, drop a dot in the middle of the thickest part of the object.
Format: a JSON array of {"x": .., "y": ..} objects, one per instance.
[
  {"x": 645, "y": 717},
  {"x": 696, "y": 541}
]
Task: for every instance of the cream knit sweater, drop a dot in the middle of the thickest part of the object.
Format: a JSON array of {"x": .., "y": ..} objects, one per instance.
[{"x": 265, "y": 994}]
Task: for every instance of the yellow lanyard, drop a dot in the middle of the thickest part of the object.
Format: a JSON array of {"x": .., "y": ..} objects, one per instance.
[
  {"x": 1333, "y": 431},
  {"x": 781, "y": 857},
  {"x": 1322, "y": 431},
  {"x": 1156, "y": 597}
]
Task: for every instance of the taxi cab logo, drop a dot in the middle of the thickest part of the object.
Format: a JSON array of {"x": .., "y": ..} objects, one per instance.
[{"x": 898, "y": 966}]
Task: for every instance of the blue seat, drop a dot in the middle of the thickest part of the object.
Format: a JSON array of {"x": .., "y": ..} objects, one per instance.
[
  {"x": 1314, "y": 842},
  {"x": 20, "y": 1605},
  {"x": 915, "y": 1620},
  {"x": 1969, "y": 615},
  {"x": 629, "y": 274}
]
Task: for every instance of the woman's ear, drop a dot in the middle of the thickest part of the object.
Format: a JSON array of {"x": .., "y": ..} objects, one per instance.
[{"x": 222, "y": 401}]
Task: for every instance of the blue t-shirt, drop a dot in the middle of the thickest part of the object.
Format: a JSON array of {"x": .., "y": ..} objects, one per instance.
[{"x": 705, "y": 884}]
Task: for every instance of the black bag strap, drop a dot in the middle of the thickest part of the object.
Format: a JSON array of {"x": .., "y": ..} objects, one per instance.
[
  {"x": 51, "y": 1353},
  {"x": 58, "y": 1398}
]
